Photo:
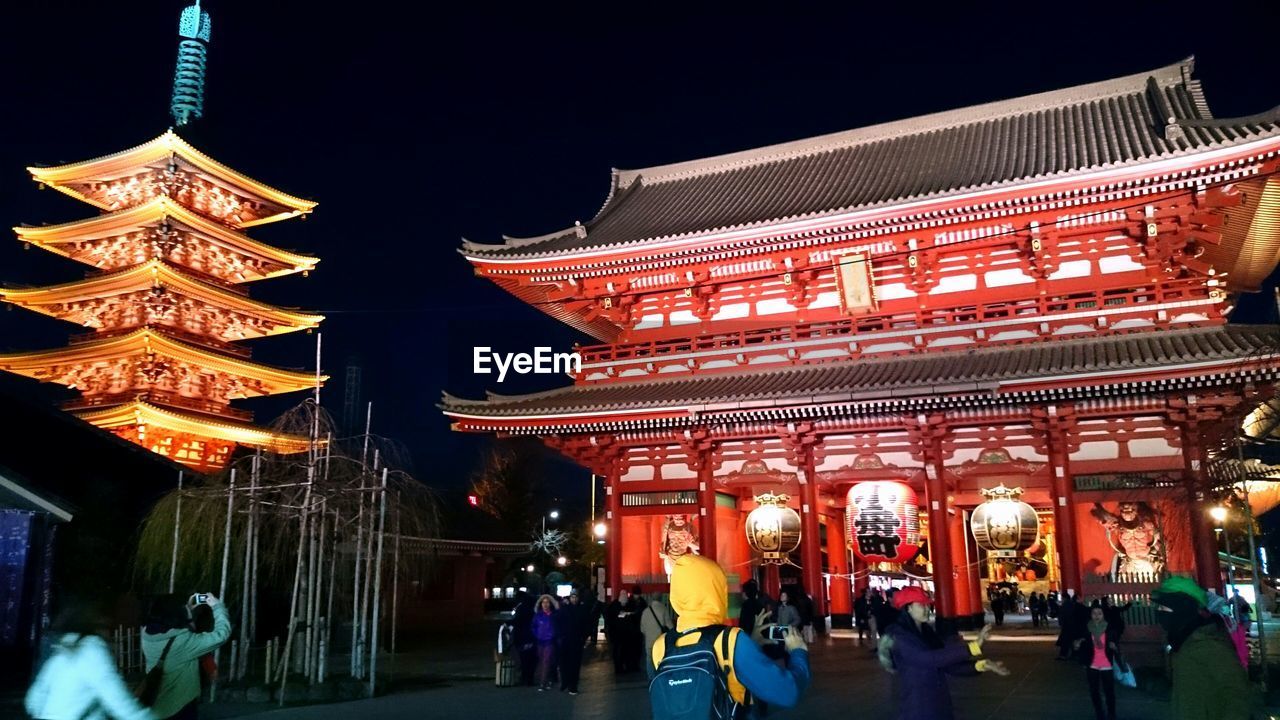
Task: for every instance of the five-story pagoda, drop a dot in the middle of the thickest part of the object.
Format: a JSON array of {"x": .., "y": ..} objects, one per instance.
[{"x": 165, "y": 302}]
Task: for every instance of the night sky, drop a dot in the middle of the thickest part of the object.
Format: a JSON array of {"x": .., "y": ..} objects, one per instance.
[{"x": 414, "y": 127}]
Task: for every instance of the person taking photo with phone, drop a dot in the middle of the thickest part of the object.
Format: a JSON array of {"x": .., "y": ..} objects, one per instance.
[
  {"x": 701, "y": 650},
  {"x": 170, "y": 641},
  {"x": 921, "y": 659}
]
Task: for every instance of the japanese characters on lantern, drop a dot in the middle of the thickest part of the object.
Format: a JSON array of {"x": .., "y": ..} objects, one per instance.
[
  {"x": 1004, "y": 525},
  {"x": 883, "y": 522},
  {"x": 773, "y": 529}
]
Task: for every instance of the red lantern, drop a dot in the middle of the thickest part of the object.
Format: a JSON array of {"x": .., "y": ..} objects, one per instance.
[{"x": 883, "y": 522}]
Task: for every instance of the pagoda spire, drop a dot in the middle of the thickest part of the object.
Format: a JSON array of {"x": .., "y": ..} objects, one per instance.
[{"x": 187, "y": 103}]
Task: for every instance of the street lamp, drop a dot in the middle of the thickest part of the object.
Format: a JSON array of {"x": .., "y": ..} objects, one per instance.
[
  {"x": 554, "y": 515},
  {"x": 601, "y": 530},
  {"x": 562, "y": 561},
  {"x": 529, "y": 568}
]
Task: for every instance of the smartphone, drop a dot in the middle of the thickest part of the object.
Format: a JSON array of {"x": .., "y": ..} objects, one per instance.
[
  {"x": 777, "y": 633},
  {"x": 202, "y": 598}
]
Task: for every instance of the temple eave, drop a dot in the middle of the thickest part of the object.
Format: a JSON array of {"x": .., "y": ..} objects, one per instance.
[
  {"x": 140, "y": 413},
  {"x": 148, "y": 341},
  {"x": 160, "y": 149},
  {"x": 965, "y": 379}
]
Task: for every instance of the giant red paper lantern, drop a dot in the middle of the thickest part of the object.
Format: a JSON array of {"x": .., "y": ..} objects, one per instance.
[{"x": 883, "y": 522}]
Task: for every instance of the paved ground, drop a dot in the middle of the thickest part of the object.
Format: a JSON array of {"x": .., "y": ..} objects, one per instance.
[{"x": 847, "y": 680}]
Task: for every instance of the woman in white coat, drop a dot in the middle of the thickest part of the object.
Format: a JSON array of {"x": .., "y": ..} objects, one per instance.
[{"x": 78, "y": 680}]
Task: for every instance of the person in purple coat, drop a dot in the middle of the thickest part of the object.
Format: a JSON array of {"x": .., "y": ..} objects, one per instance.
[
  {"x": 921, "y": 659},
  {"x": 544, "y": 634}
]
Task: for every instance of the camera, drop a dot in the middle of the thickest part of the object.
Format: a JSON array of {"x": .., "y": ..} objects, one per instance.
[{"x": 777, "y": 633}]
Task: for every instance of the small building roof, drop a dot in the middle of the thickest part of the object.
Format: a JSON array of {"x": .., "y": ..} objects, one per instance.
[
  {"x": 152, "y": 274},
  {"x": 924, "y": 378},
  {"x": 1105, "y": 125},
  {"x": 18, "y": 493}
]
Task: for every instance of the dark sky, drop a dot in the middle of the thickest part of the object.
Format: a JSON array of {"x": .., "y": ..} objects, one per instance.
[{"x": 415, "y": 126}]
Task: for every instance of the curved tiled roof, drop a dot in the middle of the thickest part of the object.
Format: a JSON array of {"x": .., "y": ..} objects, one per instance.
[
  {"x": 973, "y": 371},
  {"x": 1139, "y": 118}
]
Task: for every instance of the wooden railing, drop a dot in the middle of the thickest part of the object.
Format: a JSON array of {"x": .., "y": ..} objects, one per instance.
[{"x": 1033, "y": 310}]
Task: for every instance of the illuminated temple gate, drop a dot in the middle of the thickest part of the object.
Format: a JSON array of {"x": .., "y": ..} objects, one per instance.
[{"x": 1031, "y": 293}]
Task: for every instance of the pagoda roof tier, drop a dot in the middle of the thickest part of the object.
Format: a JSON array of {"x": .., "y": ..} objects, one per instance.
[
  {"x": 73, "y": 240},
  {"x": 80, "y": 180},
  {"x": 1104, "y": 126},
  {"x": 149, "y": 340},
  {"x": 990, "y": 375},
  {"x": 66, "y": 300},
  {"x": 133, "y": 414}
]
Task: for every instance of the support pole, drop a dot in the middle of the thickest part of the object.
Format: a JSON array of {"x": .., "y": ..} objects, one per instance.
[
  {"x": 1255, "y": 571},
  {"x": 355, "y": 583},
  {"x": 1208, "y": 570},
  {"x": 238, "y": 670},
  {"x": 253, "y": 581},
  {"x": 811, "y": 540},
  {"x": 226, "y": 538},
  {"x": 297, "y": 581},
  {"x": 377, "y": 588},
  {"x": 707, "y": 507},
  {"x": 613, "y": 505},
  {"x": 1057, "y": 442},
  {"x": 395, "y": 585},
  {"x": 177, "y": 526}
]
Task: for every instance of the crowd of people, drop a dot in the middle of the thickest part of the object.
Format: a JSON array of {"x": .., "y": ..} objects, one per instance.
[{"x": 759, "y": 661}]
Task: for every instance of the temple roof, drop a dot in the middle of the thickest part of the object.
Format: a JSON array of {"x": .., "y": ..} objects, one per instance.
[
  {"x": 141, "y": 413},
  {"x": 1100, "y": 126},
  {"x": 157, "y": 153},
  {"x": 992, "y": 372},
  {"x": 149, "y": 340},
  {"x": 157, "y": 273},
  {"x": 55, "y": 237}
]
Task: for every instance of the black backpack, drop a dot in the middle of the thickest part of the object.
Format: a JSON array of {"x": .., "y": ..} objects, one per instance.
[{"x": 691, "y": 683}]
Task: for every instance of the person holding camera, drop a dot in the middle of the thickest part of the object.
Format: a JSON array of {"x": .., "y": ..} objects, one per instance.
[
  {"x": 743, "y": 674},
  {"x": 921, "y": 659},
  {"x": 170, "y": 641}
]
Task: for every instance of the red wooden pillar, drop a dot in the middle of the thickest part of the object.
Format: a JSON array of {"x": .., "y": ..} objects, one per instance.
[
  {"x": 613, "y": 512},
  {"x": 772, "y": 581},
  {"x": 707, "y": 507},
  {"x": 972, "y": 560},
  {"x": 811, "y": 539},
  {"x": 1064, "y": 506},
  {"x": 939, "y": 535},
  {"x": 838, "y": 565},
  {"x": 960, "y": 578},
  {"x": 1208, "y": 569}
]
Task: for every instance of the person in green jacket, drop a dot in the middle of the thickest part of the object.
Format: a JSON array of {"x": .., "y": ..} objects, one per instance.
[
  {"x": 170, "y": 620},
  {"x": 1208, "y": 681}
]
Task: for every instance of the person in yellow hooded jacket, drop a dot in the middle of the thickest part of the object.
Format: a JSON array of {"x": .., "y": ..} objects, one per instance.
[{"x": 699, "y": 596}]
